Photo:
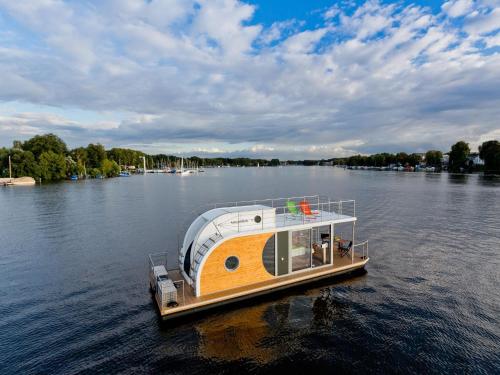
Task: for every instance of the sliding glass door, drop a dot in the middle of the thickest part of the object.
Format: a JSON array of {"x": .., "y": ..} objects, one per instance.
[{"x": 301, "y": 249}]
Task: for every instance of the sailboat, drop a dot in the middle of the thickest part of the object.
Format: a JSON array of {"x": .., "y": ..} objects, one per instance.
[{"x": 183, "y": 171}]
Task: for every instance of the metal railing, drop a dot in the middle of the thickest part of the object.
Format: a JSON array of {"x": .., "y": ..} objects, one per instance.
[
  {"x": 322, "y": 209},
  {"x": 364, "y": 249},
  {"x": 160, "y": 259},
  {"x": 319, "y": 203}
]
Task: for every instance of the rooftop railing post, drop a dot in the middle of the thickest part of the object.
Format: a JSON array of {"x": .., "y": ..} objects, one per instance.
[
  {"x": 183, "y": 297},
  {"x": 262, "y": 219},
  {"x": 352, "y": 252}
]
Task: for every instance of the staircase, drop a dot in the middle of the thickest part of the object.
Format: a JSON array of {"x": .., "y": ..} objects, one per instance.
[{"x": 200, "y": 253}]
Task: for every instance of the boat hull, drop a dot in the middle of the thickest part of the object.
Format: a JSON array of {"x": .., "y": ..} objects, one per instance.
[{"x": 257, "y": 292}]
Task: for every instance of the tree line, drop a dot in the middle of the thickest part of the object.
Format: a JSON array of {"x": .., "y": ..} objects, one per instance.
[
  {"x": 458, "y": 158},
  {"x": 47, "y": 157}
]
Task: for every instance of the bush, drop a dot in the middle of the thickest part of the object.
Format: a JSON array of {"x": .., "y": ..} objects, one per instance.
[
  {"x": 110, "y": 168},
  {"x": 490, "y": 152},
  {"x": 94, "y": 172},
  {"x": 52, "y": 166}
]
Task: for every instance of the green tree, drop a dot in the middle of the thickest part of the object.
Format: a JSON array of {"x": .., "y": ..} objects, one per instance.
[
  {"x": 490, "y": 152},
  {"x": 94, "y": 172},
  {"x": 379, "y": 160},
  {"x": 4, "y": 162},
  {"x": 458, "y": 156},
  {"x": 275, "y": 162},
  {"x": 110, "y": 168},
  {"x": 95, "y": 155},
  {"x": 44, "y": 143},
  {"x": 81, "y": 169},
  {"x": 402, "y": 158},
  {"x": 79, "y": 155},
  {"x": 52, "y": 166},
  {"x": 17, "y": 144},
  {"x": 24, "y": 164},
  {"x": 414, "y": 159},
  {"x": 433, "y": 158},
  {"x": 71, "y": 166}
]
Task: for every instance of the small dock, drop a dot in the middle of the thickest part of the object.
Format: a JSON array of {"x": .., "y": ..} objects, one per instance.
[{"x": 19, "y": 181}]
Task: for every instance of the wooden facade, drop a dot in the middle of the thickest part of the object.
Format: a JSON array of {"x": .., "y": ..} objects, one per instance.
[{"x": 216, "y": 278}]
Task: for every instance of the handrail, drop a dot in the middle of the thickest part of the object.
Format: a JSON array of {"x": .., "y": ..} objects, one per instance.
[
  {"x": 181, "y": 282},
  {"x": 321, "y": 200},
  {"x": 254, "y": 202},
  {"x": 163, "y": 262},
  {"x": 364, "y": 246},
  {"x": 283, "y": 217}
]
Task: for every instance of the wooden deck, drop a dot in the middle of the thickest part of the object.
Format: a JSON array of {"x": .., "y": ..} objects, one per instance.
[{"x": 192, "y": 303}]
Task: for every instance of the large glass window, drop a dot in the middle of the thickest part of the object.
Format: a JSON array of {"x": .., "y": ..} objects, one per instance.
[
  {"x": 268, "y": 255},
  {"x": 342, "y": 243},
  {"x": 301, "y": 249}
]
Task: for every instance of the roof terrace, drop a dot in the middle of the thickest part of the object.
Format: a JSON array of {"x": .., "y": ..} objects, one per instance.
[{"x": 284, "y": 212}]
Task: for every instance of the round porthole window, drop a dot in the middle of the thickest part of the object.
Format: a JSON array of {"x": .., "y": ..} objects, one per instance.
[
  {"x": 232, "y": 263},
  {"x": 257, "y": 219}
]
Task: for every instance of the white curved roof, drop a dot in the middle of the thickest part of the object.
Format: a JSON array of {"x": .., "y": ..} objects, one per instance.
[{"x": 213, "y": 226}]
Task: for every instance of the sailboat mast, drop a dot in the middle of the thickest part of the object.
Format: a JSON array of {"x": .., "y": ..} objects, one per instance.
[{"x": 10, "y": 168}]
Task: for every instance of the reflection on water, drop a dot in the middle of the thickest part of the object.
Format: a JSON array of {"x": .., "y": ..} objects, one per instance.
[
  {"x": 489, "y": 180},
  {"x": 238, "y": 335},
  {"x": 458, "y": 178},
  {"x": 74, "y": 294}
]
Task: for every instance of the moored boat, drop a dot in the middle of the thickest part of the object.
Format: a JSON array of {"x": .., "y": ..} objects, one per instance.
[
  {"x": 239, "y": 250},
  {"x": 17, "y": 181}
]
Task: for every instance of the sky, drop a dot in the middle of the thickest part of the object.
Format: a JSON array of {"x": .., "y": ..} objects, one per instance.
[{"x": 286, "y": 79}]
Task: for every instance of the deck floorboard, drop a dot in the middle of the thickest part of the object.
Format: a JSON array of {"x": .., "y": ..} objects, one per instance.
[{"x": 192, "y": 302}]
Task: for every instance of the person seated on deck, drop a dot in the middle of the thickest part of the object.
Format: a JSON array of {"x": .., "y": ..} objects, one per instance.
[{"x": 306, "y": 209}]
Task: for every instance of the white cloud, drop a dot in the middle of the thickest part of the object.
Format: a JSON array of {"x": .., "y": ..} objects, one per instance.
[
  {"x": 206, "y": 76},
  {"x": 483, "y": 22},
  {"x": 332, "y": 12},
  {"x": 278, "y": 30},
  {"x": 458, "y": 8}
]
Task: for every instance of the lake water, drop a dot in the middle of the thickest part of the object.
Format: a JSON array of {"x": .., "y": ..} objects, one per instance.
[{"x": 74, "y": 292}]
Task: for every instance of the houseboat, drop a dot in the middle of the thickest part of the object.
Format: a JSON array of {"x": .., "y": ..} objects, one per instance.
[{"x": 237, "y": 250}]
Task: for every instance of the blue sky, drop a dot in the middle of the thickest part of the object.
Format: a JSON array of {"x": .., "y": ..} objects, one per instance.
[{"x": 291, "y": 79}]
